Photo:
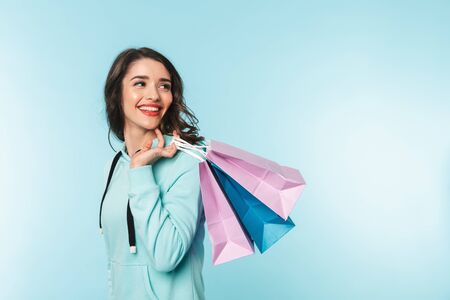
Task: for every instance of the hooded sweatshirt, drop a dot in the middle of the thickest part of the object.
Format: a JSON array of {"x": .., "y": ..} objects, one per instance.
[{"x": 168, "y": 220}]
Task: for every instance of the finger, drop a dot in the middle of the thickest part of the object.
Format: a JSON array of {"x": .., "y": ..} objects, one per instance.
[
  {"x": 148, "y": 144},
  {"x": 169, "y": 151},
  {"x": 160, "y": 138},
  {"x": 135, "y": 153},
  {"x": 175, "y": 134},
  {"x": 174, "y": 148}
]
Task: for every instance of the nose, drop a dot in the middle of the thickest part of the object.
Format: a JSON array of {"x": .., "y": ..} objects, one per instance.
[{"x": 151, "y": 92}]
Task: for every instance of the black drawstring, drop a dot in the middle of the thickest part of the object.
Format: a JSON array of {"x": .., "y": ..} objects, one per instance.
[
  {"x": 130, "y": 221},
  {"x": 111, "y": 171},
  {"x": 131, "y": 234}
]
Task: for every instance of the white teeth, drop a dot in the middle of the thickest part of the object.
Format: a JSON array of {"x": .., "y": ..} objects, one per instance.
[{"x": 149, "y": 108}]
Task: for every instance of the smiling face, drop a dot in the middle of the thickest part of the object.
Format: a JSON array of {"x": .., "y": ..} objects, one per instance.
[{"x": 145, "y": 86}]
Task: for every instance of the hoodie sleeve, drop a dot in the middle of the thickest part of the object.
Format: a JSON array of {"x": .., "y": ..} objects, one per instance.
[{"x": 167, "y": 227}]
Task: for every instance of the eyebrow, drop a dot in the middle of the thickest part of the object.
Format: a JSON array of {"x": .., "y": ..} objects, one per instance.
[{"x": 146, "y": 77}]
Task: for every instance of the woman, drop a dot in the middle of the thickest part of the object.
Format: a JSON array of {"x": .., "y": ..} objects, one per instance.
[{"x": 151, "y": 215}]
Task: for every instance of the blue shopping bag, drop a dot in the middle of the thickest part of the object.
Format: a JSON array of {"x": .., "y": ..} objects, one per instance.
[{"x": 263, "y": 225}]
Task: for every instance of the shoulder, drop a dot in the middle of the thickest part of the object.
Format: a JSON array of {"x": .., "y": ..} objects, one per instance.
[
  {"x": 183, "y": 170},
  {"x": 183, "y": 161}
]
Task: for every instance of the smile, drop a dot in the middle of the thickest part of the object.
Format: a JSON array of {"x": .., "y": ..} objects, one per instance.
[{"x": 150, "y": 111}]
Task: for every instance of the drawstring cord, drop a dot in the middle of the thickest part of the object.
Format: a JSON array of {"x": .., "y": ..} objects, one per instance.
[
  {"x": 111, "y": 171},
  {"x": 130, "y": 220},
  {"x": 131, "y": 232}
]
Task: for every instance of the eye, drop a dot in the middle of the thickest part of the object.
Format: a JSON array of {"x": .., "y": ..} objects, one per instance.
[
  {"x": 139, "y": 82},
  {"x": 166, "y": 86}
]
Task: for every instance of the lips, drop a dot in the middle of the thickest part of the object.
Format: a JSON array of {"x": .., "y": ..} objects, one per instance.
[{"x": 150, "y": 113}]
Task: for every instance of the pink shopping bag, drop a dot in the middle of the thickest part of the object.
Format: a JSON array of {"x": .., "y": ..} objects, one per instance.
[
  {"x": 278, "y": 187},
  {"x": 229, "y": 239}
]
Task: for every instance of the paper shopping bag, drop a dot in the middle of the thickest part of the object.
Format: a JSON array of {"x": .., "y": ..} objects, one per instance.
[
  {"x": 263, "y": 225},
  {"x": 229, "y": 239},
  {"x": 278, "y": 187}
]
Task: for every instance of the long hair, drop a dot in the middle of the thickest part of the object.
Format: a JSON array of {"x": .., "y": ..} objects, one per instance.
[{"x": 178, "y": 116}]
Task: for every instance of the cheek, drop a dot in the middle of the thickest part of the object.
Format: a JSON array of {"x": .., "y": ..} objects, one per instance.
[
  {"x": 130, "y": 99},
  {"x": 133, "y": 96}
]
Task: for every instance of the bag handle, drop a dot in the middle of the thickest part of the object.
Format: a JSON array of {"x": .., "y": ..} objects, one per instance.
[{"x": 191, "y": 149}]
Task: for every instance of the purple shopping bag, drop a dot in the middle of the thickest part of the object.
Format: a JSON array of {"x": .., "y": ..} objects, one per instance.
[
  {"x": 229, "y": 239},
  {"x": 278, "y": 187}
]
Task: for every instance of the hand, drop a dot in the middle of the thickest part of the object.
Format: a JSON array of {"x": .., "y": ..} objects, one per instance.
[{"x": 148, "y": 155}]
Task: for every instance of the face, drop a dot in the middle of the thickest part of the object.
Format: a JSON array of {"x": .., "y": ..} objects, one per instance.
[{"x": 146, "y": 85}]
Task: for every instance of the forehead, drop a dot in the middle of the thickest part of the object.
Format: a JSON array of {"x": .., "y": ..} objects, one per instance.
[{"x": 149, "y": 67}]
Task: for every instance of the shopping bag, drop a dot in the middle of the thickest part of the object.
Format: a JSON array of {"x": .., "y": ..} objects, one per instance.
[
  {"x": 228, "y": 238},
  {"x": 278, "y": 187},
  {"x": 263, "y": 225}
]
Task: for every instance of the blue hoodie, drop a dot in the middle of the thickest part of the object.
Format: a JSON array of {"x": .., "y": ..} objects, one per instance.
[{"x": 167, "y": 225}]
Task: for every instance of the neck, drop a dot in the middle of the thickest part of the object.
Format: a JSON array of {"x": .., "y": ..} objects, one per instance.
[{"x": 136, "y": 138}]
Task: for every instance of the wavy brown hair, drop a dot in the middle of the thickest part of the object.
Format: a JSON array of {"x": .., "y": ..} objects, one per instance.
[{"x": 176, "y": 115}]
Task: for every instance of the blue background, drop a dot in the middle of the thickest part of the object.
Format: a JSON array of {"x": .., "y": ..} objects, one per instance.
[{"x": 355, "y": 94}]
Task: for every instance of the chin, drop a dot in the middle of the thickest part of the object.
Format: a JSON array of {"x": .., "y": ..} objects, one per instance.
[
  {"x": 149, "y": 123},
  {"x": 151, "y": 126}
]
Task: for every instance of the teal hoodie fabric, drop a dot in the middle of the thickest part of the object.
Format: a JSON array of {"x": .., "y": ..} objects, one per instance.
[{"x": 165, "y": 201}]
